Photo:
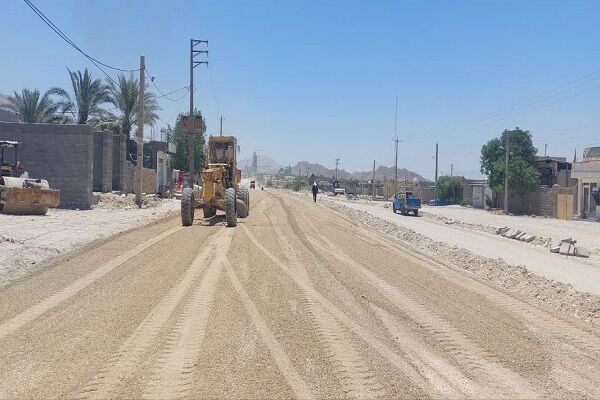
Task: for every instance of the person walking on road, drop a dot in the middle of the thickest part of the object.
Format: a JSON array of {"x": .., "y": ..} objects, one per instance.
[{"x": 315, "y": 190}]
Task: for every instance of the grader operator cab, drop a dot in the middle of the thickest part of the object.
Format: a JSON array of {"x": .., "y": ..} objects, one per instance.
[{"x": 220, "y": 187}]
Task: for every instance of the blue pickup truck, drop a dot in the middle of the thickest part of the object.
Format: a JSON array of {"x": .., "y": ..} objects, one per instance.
[{"x": 406, "y": 203}]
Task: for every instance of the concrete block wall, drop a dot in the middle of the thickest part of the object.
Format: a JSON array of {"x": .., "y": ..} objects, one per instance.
[
  {"x": 107, "y": 161},
  {"x": 103, "y": 161},
  {"x": 132, "y": 179},
  {"x": 543, "y": 201},
  {"x": 97, "y": 173},
  {"x": 61, "y": 154},
  {"x": 118, "y": 162}
]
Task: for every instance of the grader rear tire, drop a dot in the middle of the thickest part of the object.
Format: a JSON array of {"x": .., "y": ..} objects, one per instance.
[
  {"x": 187, "y": 207},
  {"x": 244, "y": 195},
  {"x": 230, "y": 207}
]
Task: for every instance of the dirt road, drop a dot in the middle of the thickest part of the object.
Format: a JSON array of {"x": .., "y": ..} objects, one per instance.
[{"x": 296, "y": 301}]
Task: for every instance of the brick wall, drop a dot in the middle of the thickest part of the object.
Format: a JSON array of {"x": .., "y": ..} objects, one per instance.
[{"x": 61, "y": 154}]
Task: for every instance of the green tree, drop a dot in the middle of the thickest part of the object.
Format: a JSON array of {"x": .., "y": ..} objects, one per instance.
[
  {"x": 124, "y": 95},
  {"x": 523, "y": 176},
  {"x": 88, "y": 97},
  {"x": 32, "y": 108},
  {"x": 446, "y": 188},
  {"x": 179, "y": 160}
]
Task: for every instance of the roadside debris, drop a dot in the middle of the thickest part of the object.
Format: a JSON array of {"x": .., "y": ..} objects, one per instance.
[
  {"x": 567, "y": 247},
  {"x": 511, "y": 233}
]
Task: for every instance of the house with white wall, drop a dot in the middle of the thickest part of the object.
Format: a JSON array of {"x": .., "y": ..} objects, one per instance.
[{"x": 587, "y": 173}]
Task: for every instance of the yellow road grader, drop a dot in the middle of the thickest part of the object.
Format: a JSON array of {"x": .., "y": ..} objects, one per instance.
[{"x": 220, "y": 188}]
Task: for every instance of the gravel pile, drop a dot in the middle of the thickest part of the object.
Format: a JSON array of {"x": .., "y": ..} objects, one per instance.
[{"x": 515, "y": 279}]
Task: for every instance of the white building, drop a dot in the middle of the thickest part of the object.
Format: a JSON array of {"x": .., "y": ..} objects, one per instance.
[{"x": 587, "y": 173}]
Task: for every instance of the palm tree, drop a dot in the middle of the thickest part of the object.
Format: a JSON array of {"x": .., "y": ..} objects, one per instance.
[
  {"x": 124, "y": 95},
  {"x": 32, "y": 108},
  {"x": 89, "y": 95}
]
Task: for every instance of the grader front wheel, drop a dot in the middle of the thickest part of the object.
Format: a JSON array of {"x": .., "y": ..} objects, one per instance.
[
  {"x": 187, "y": 207},
  {"x": 230, "y": 207}
]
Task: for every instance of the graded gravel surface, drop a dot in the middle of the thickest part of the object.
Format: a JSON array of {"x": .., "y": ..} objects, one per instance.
[
  {"x": 583, "y": 274},
  {"x": 297, "y": 301}
]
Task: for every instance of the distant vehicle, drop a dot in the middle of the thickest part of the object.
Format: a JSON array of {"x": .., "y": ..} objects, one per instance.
[
  {"x": 437, "y": 202},
  {"x": 252, "y": 185},
  {"x": 406, "y": 203},
  {"x": 337, "y": 189}
]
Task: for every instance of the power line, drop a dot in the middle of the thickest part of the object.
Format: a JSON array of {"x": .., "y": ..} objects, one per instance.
[
  {"x": 63, "y": 36},
  {"x": 534, "y": 103},
  {"x": 166, "y": 95},
  {"x": 175, "y": 91}
]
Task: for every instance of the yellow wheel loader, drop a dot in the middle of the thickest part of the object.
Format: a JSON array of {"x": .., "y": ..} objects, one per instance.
[
  {"x": 20, "y": 194},
  {"x": 220, "y": 187}
]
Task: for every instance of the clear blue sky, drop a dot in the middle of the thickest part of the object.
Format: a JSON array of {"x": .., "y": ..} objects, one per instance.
[{"x": 317, "y": 80}]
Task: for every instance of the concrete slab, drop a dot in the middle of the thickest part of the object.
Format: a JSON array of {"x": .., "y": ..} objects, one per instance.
[
  {"x": 564, "y": 248},
  {"x": 554, "y": 249},
  {"x": 528, "y": 238},
  {"x": 572, "y": 250},
  {"x": 503, "y": 229},
  {"x": 582, "y": 252}
]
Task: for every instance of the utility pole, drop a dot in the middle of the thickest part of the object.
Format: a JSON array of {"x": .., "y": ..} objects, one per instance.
[
  {"x": 221, "y": 130},
  {"x": 396, "y": 140},
  {"x": 451, "y": 169},
  {"x": 140, "y": 135},
  {"x": 373, "y": 181},
  {"x": 337, "y": 160},
  {"x": 192, "y": 133},
  {"x": 436, "y": 175},
  {"x": 506, "y": 175},
  {"x": 545, "y": 149}
]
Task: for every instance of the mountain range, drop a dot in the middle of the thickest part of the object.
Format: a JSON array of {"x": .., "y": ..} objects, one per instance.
[{"x": 304, "y": 168}]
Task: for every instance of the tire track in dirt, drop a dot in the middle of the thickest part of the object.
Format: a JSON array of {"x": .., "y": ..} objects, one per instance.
[
  {"x": 539, "y": 320},
  {"x": 463, "y": 349},
  {"x": 392, "y": 357},
  {"x": 33, "y": 312},
  {"x": 125, "y": 362},
  {"x": 528, "y": 313},
  {"x": 359, "y": 381},
  {"x": 468, "y": 353},
  {"x": 293, "y": 378},
  {"x": 435, "y": 368},
  {"x": 172, "y": 377}
]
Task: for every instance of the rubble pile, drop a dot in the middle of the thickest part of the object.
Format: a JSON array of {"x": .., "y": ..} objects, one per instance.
[
  {"x": 113, "y": 201},
  {"x": 516, "y": 234},
  {"x": 567, "y": 247}
]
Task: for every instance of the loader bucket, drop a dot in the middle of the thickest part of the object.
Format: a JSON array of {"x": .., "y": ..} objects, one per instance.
[{"x": 27, "y": 196}]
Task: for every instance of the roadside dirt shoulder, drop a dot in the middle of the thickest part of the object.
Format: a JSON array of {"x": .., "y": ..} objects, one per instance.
[{"x": 28, "y": 242}]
